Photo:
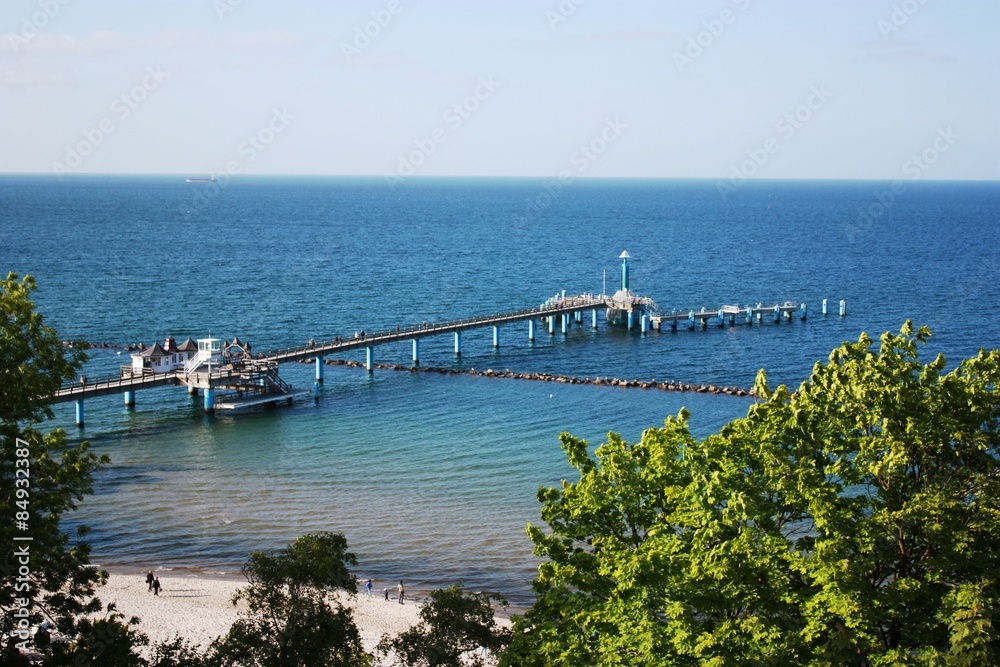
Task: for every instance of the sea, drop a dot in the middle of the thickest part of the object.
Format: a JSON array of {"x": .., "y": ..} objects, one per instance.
[{"x": 433, "y": 477}]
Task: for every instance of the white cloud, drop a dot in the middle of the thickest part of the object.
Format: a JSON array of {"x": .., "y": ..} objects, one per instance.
[{"x": 104, "y": 43}]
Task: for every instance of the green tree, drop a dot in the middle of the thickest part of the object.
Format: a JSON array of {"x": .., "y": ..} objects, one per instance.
[
  {"x": 454, "y": 624},
  {"x": 854, "y": 522},
  {"x": 111, "y": 641},
  {"x": 291, "y": 619},
  {"x": 177, "y": 652},
  {"x": 42, "y": 476}
]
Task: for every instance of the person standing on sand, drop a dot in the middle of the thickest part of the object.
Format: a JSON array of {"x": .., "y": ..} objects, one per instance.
[
  {"x": 156, "y": 585},
  {"x": 368, "y": 587},
  {"x": 149, "y": 580},
  {"x": 400, "y": 589}
]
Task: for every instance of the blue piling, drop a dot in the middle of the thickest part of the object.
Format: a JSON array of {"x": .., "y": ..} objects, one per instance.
[
  {"x": 643, "y": 322},
  {"x": 369, "y": 354},
  {"x": 565, "y": 323},
  {"x": 823, "y": 309},
  {"x": 319, "y": 369},
  {"x": 210, "y": 400},
  {"x": 129, "y": 399},
  {"x": 79, "y": 413},
  {"x": 531, "y": 330},
  {"x": 593, "y": 319},
  {"x": 416, "y": 351},
  {"x": 458, "y": 343},
  {"x": 802, "y": 312},
  {"x": 496, "y": 336},
  {"x": 843, "y": 308},
  {"x": 631, "y": 315},
  {"x": 777, "y": 313},
  {"x": 552, "y": 325}
]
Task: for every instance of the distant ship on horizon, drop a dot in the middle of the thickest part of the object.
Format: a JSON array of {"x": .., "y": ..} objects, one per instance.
[{"x": 201, "y": 180}]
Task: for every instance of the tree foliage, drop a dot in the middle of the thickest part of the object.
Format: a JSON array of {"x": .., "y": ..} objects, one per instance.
[
  {"x": 454, "y": 625},
  {"x": 291, "y": 620},
  {"x": 42, "y": 476},
  {"x": 111, "y": 641},
  {"x": 854, "y": 522}
]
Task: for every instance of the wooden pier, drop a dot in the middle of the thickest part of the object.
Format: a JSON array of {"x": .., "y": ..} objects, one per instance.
[{"x": 246, "y": 380}]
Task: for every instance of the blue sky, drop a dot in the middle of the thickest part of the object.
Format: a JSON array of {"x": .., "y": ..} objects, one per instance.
[{"x": 721, "y": 89}]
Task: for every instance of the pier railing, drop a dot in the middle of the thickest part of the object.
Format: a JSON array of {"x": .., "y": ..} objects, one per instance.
[{"x": 363, "y": 338}]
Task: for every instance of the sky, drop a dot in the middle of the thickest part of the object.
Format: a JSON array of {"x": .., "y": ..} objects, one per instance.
[{"x": 722, "y": 89}]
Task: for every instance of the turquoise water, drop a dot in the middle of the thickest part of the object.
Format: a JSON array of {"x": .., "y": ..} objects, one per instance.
[{"x": 432, "y": 478}]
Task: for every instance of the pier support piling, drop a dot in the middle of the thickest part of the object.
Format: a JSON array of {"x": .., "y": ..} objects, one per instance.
[
  {"x": 416, "y": 351},
  {"x": 458, "y": 343},
  {"x": 565, "y": 323},
  {"x": 129, "y": 399},
  {"x": 369, "y": 354},
  {"x": 802, "y": 312},
  {"x": 192, "y": 391},
  {"x": 552, "y": 325},
  {"x": 531, "y": 330},
  {"x": 593, "y": 319},
  {"x": 643, "y": 323},
  {"x": 319, "y": 369},
  {"x": 210, "y": 400},
  {"x": 79, "y": 413},
  {"x": 777, "y": 313},
  {"x": 631, "y": 319},
  {"x": 843, "y": 308},
  {"x": 496, "y": 336},
  {"x": 823, "y": 308}
]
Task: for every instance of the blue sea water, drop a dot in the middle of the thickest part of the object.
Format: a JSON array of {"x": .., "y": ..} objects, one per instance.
[{"x": 432, "y": 478}]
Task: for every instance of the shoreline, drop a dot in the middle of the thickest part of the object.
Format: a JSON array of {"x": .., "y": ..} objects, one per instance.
[
  {"x": 416, "y": 594},
  {"x": 198, "y": 607}
]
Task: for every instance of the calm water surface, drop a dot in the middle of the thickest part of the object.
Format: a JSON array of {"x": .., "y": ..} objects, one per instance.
[{"x": 433, "y": 478}]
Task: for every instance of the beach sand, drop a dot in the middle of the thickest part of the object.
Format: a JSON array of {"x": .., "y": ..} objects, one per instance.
[{"x": 199, "y": 609}]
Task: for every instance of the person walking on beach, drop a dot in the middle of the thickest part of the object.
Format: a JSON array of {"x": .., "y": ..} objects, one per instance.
[
  {"x": 156, "y": 585},
  {"x": 149, "y": 580},
  {"x": 400, "y": 589},
  {"x": 368, "y": 587},
  {"x": 385, "y": 591}
]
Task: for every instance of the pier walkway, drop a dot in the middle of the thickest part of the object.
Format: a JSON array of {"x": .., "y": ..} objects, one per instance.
[
  {"x": 253, "y": 379},
  {"x": 560, "y": 309}
]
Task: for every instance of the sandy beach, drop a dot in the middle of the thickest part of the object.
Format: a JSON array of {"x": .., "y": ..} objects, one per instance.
[{"x": 199, "y": 608}]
